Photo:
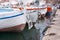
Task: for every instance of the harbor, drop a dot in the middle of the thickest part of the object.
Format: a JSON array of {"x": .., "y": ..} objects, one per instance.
[{"x": 29, "y": 20}]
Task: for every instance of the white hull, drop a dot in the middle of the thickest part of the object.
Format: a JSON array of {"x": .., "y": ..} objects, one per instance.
[{"x": 11, "y": 19}]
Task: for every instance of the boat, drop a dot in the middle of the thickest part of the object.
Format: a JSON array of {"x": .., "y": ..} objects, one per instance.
[
  {"x": 13, "y": 19},
  {"x": 10, "y": 18}
]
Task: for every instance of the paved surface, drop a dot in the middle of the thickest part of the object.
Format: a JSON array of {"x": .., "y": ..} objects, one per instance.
[{"x": 53, "y": 33}]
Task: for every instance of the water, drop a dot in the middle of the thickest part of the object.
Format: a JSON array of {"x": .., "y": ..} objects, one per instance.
[{"x": 25, "y": 35}]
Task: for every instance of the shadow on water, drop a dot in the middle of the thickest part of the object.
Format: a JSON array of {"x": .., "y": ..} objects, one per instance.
[{"x": 31, "y": 34}]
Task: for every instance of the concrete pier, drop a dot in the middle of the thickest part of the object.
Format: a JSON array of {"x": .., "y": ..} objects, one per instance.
[{"x": 53, "y": 33}]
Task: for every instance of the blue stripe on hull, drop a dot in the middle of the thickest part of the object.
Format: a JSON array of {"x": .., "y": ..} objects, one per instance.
[{"x": 11, "y": 16}]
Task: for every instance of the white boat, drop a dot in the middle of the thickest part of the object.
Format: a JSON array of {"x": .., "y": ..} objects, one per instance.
[{"x": 10, "y": 18}]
